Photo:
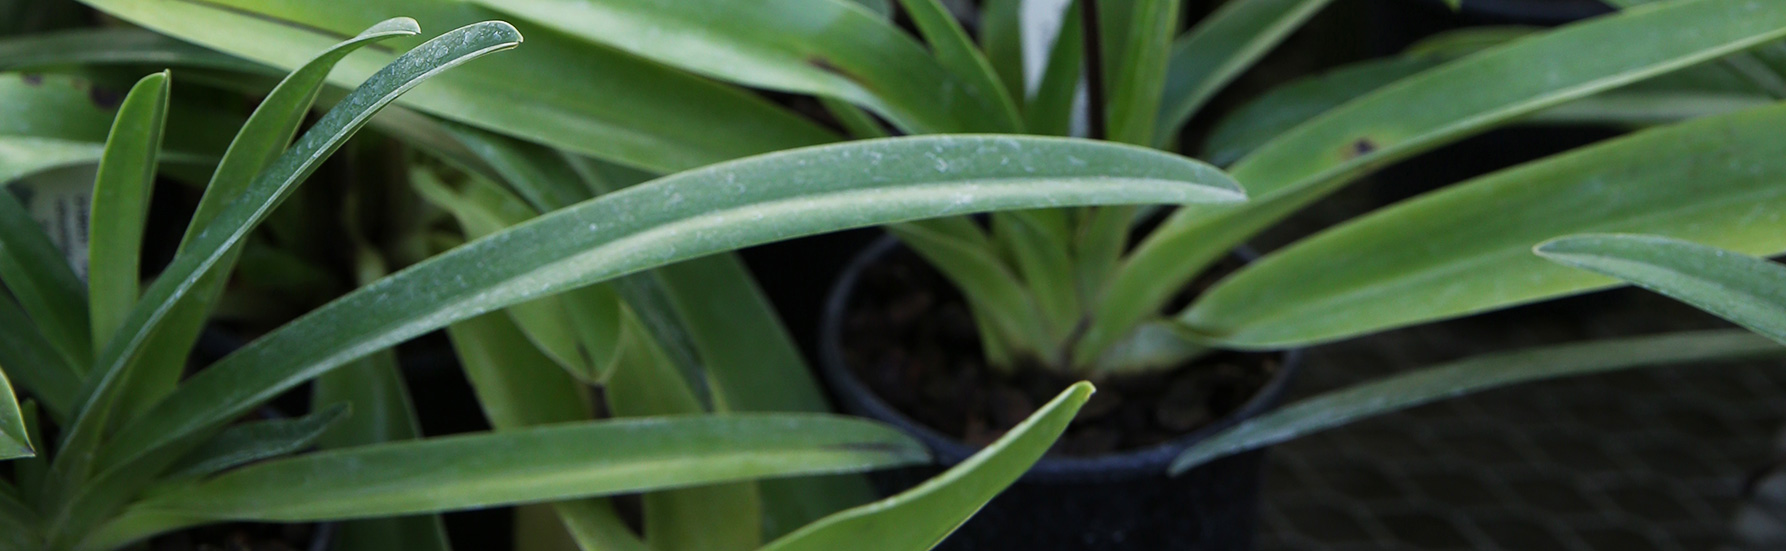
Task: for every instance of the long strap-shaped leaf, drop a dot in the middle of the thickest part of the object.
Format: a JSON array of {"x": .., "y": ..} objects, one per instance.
[
  {"x": 919, "y": 518},
  {"x": 957, "y": 53},
  {"x": 684, "y": 216},
  {"x": 1472, "y": 375},
  {"x": 1744, "y": 289},
  {"x": 648, "y": 116},
  {"x": 269, "y": 188},
  {"x": 261, "y": 139},
  {"x": 113, "y": 45},
  {"x": 523, "y": 466},
  {"x": 1417, "y": 114},
  {"x": 1138, "y": 81},
  {"x": 1467, "y": 248},
  {"x": 121, "y": 206},
  {"x": 1220, "y": 48},
  {"x": 518, "y": 387},
  {"x": 825, "y": 47}
]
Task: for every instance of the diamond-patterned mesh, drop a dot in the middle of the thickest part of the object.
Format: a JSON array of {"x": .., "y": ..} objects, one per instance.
[{"x": 1635, "y": 460}]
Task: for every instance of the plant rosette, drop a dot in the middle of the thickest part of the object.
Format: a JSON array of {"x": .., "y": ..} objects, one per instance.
[{"x": 897, "y": 345}]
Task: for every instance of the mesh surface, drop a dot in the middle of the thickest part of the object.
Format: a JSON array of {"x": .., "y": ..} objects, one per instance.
[{"x": 1636, "y": 460}]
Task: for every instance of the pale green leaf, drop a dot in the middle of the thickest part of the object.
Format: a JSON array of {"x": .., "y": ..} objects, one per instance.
[
  {"x": 955, "y": 50},
  {"x": 522, "y": 466},
  {"x": 121, "y": 207},
  {"x": 1419, "y": 113},
  {"x": 721, "y": 517},
  {"x": 647, "y": 115},
  {"x": 684, "y": 216},
  {"x": 237, "y": 219},
  {"x": 1138, "y": 81},
  {"x": 519, "y": 387},
  {"x": 821, "y": 47},
  {"x": 1219, "y": 49},
  {"x": 1744, "y": 289},
  {"x": 1467, "y": 248},
  {"x": 919, "y": 518},
  {"x": 260, "y": 140},
  {"x": 373, "y": 390},
  {"x": 1468, "y": 376},
  {"x": 249, "y": 442},
  {"x": 116, "y": 45}
]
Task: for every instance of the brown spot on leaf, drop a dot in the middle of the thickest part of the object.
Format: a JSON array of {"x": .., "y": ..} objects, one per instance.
[
  {"x": 32, "y": 79},
  {"x": 825, "y": 65},
  {"x": 1362, "y": 147}
]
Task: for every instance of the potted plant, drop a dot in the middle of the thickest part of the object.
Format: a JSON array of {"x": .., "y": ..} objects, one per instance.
[
  {"x": 141, "y": 450},
  {"x": 1021, "y": 274},
  {"x": 1416, "y": 262}
]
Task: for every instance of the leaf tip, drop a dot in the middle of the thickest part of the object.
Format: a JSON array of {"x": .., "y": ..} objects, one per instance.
[{"x": 394, "y": 26}]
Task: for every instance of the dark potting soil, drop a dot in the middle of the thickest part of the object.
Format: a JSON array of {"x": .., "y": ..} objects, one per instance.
[
  {"x": 239, "y": 537},
  {"x": 910, "y": 338}
]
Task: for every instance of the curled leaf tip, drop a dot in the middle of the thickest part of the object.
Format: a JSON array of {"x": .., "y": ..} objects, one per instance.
[{"x": 394, "y": 25}]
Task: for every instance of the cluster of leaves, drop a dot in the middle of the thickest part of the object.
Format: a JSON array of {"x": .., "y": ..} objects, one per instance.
[
  {"x": 142, "y": 449},
  {"x": 1064, "y": 287},
  {"x": 579, "y": 271}
]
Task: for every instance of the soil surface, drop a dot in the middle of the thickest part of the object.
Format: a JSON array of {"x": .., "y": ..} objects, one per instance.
[
  {"x": 909, "y": 336},
  {"x": 239, "y": 537}
]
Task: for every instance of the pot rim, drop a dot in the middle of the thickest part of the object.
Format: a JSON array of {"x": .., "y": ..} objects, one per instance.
[
  {"x": 1544, "y": 12},
  {"x": 1149, "y": 461}
]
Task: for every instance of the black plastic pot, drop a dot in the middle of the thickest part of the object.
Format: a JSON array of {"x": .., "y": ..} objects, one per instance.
[
  {"x": 1527, "y": 12},
  {"x": 1119, "y": 501}
]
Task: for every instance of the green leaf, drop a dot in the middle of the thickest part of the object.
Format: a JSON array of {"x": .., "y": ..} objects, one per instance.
[
  {"x": 1467, "y": 248},
  {"x": 28, "y": 355},
  {"x": 49, "y": 121},
  {"x": 14, "y": 441},
  {"x": 269, "y": 188},
  {"x": 1469, "y": 376},
  {"x": 684, "y": 216},
  {"x": 121, "y": 206},
  {"x": 524, "y": 466},
  {"x": 648, "y": 116},
  {"x": 1219, "y": 49},
  {"x": 18, "y": 523},
  {"x": 55, "y": 298},
  {"x": 718, "y": 517},
  {"x": 952, "y": 47},
  {"x": 822, "y": 47},
  {"x": 1001, "y": 38},
  {"x": 519, "y": 387},
  {"x": 1287, "y": 106},
  {"x": 116, "y": 45},
  {"x": 1417, "y": 114},
  {"x": 250, "y": 442},
  {"x": 1139, "y": 81},
  {"x": 516, "y": 385},
  {"x": 921, "y": 517},
  {"x": 883, "y": 8},
  {"x": 1699, "y": 90},
  {"x": 373, "y": 389},
  {"x": 482, "y": 209},
  {"x": 1744, "y": 289},
  {"x": 260, "y": 140}
]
